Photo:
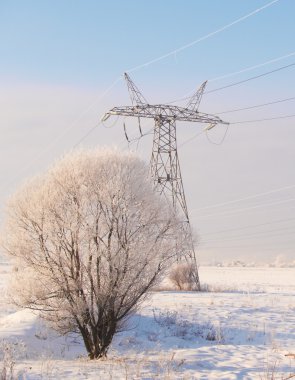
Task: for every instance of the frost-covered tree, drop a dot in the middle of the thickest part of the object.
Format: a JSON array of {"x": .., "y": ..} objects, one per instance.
[
  {"x": 182, "y": 276},
  {"x": 91, "y": 237}
]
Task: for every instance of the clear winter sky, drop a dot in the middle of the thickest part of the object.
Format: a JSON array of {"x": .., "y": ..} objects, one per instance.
[{"x": 57, "y": 58}]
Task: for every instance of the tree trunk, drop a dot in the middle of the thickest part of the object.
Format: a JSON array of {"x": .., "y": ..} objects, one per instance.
[{"x": 98, "y": 342}]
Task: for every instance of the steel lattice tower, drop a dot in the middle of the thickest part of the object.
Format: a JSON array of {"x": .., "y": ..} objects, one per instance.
[{"x": 165, "y": 168}]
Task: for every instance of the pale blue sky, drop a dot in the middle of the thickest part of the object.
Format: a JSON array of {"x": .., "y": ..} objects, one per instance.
[
  {"x": 58, "y": 57},
  {"x": 88, "y": 42}
]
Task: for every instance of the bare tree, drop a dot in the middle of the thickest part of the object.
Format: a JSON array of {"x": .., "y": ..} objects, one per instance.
[
  {"x": 182, "y": 275},
  {"x": 91, "y": 237}
]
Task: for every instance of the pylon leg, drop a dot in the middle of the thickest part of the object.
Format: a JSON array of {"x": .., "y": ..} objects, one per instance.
[{"x": 165, "y": 170}]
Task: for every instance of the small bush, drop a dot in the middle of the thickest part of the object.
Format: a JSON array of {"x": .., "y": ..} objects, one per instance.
[{"x": 183, "y": 276}]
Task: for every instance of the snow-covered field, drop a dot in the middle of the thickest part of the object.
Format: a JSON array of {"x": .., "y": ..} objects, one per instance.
[{"x": 242, "y": 327}]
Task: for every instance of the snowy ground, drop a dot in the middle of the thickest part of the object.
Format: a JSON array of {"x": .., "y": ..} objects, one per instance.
[{"x": 243, "y": 327}]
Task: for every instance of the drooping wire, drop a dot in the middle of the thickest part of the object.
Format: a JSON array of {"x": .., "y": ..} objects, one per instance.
[
  {"x": 233, "y": 123},
  {"x": 199, "y": 134},
  {"x": 139, "y": 127},
  {"x": 125, "y": 132},
  {"x": 227, "y": 129},
  {"x": 112, "y": 125},
  {"x": 138, "y": 139},
  {"x": 222, "y": 139}
]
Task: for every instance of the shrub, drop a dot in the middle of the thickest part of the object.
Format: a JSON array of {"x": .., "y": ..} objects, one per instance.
[{"x": 182, "y": 276}]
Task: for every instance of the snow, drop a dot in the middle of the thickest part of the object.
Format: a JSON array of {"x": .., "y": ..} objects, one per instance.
[{"x": 241, "y": 327}]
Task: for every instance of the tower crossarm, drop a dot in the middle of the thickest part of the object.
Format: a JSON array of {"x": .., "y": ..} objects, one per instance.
[{"x": 165, "y": 112}]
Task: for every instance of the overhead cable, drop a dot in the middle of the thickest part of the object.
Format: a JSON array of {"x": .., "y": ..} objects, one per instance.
[
  {"x": 189, "y": 94},
  {"x": 191, "y": 138},
  {"x": 256, "y": 106},
  {"x": 273, "y": 60},
  {"x": 246, "y": 198},
  {"x": 236, "y": 83},
  {"x": 266, "y": 119},
  {"x": 253, "y": 234},
  {"x": 255, "y": 245},
  {"x": 173, "y": 53},
  {"x": 203, "y": 38},
  {"x": 251, "y": 78},
  {"x": 86, "y": 135},
  {"x": 186, "y": 47},
  {"x": 249, "y": 226},
  {"x": 227, "y": 213}
]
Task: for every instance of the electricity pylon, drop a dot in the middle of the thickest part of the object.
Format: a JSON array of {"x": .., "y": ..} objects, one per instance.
[{"x": 165, "y": 168}]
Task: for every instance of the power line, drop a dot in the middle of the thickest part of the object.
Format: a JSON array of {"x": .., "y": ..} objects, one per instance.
[
  {"x": 165, "y": 168},
  {"x": 232, "y": 123},
  {"x": 191, "y": 138},
  {"x": 251, "y": 78},
  {"x": 283, "y": 242},
  {"x": 183, "y": 48},
  {"x": 237, "y": 122},
  {"x": 169, "y": 54},
  {"x": 257, "y": 245},
  {"x": 246, "y": 198},
  {"x": 250, "y": 226},
  {"x": 160, "y": 58},
  {"x": 222, "y": 139},
  {"x": 256, "y": 106},
  {"x": 237, "y": 83},
  {"x": 266, "y": 119},
  {"x": 250, "y": 242},
  {"x": 226, "y": 213},
  {"x": 273, "y": 60},
  {"x": 227, "y": 26},
  {"x": 234, "y": 238},
  {"x": 144, "y": 65},
  {"x": 86, "y": 135},
  {"x": 215, "y": 90},
  {"x": 273, "y": 232},
  {"x": 189, "y": 94}
]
